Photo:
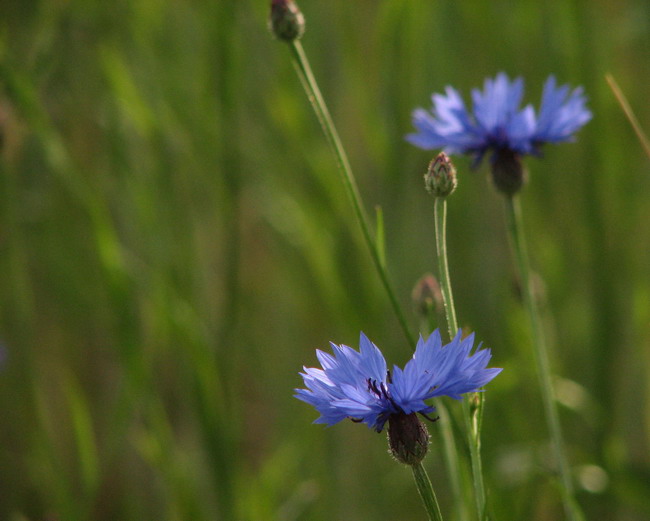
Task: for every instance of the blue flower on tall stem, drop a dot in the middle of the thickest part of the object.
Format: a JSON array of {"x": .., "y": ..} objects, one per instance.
[
  {"x": 357, "y": 384},
  {"x": 498, "y": 125}
]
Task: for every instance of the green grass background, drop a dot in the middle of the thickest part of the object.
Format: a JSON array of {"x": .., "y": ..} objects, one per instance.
[{"x": 175, "y": 243}]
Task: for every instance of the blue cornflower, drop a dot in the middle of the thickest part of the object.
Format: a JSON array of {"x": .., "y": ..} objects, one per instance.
[
  {"x": 357, "y": 384},
  {"x": 497, "y": 123}
]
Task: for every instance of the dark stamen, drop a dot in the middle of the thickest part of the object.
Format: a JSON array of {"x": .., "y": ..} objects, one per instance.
[
  {"x": 372, "y": 386},
  {"x": 432, "y": 420},
  {"x": 381, "y": 391}
]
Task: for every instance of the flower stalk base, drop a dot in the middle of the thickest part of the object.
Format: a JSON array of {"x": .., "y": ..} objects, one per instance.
[{"x": 427, "y": 494}]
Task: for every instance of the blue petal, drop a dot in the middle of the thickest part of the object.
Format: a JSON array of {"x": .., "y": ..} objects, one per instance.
[
  {"x": 499, "y": 100},
  {"x": 449, "y": 125},
  {"x": 409, "y": 390},
  {"x": 520, "y": 130},
  {"x": 343, "y": 367},
  {"x": 372, "y": 361},
  {"x": 559, "y": 117}
]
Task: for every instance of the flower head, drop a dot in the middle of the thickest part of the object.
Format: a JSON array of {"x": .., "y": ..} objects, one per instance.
[
  {"x": 286, "y": 20},
  {"x": 440, "y": 179},
  {"x": 357, "y": 384},
  {"x": 497, "y": 123}
]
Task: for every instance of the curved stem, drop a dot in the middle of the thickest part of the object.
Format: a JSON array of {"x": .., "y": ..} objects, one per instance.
[
  {"x": 426, "y": 492},
  {"x": 471, "y": 419},
  {"x": 310, "y": 85},
  {"x": 516, "y": 232}
]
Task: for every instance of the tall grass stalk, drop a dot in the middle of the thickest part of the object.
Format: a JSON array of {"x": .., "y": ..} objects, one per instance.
[
  {"x": 310, "y": 85},
  {"x": 629, "y": 113}
]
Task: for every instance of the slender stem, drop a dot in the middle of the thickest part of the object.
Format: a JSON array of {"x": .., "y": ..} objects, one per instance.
[
  {"x": 310, "y": 85},
  {"x": 426, "y": 492},
  {"x": 440, "y": 218},
  {"x": 516, "y": 232},
  {"x": 474, "y": 442},
  {"x": 451, "y": 459},
  {"x": 472, "y": 427}
]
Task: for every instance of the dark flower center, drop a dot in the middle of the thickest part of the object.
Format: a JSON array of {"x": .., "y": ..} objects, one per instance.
[{"x": 508, "y": 171}]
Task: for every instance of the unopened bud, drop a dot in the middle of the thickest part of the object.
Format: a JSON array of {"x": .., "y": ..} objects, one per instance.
[
  {"x": 408, "y": 438},
  {"x": 508, "y": 172},
  {"x": 427, "y": 296},
  {"x": 475, "y": 403},
  {"x": 286, "y": 21},
  {"x": 440, "y": 179}
]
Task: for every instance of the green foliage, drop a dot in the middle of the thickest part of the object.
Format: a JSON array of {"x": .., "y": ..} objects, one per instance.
[{"x": 175, "y": 242}]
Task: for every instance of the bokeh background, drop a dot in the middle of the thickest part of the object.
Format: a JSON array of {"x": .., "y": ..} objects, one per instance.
[{"x": 175, "y": 243}]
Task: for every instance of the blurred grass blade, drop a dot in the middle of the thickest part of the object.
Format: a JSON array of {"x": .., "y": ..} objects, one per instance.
[
  {"x": 380, "y": 236},
  {"x": 53, "y": 465},
  {"x": 82, "y": 427},
  {"x": 629, "y": 113}
]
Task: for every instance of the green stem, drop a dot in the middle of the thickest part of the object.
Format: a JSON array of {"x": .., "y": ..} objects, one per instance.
[
  {"x": 426, "y": 492},
  {"x": 474, "y": 441},
  {"x": 516, "y": 232},
  {"x": 451, "y": 459},
  {"x": 310, "y": 85},
  {"x": 440, "y": 218},
  {"x": 471, "y": 426}
]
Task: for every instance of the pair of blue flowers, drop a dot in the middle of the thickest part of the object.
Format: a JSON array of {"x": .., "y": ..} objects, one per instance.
[{"x": 357, "y": 384}]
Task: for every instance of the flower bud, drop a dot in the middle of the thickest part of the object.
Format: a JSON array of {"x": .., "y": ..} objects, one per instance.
[
  {"x": 508, "y": 172},
  {"x": 440, "y": 179},
  {"x": 408, "y": 438},
  {"x": 286, "y": 21},
  {"x": 475, "y": 402},
  {"x": 427, "y": 296}
]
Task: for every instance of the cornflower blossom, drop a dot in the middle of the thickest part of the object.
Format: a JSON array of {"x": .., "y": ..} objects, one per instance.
[
  {"x": 357, "y": 384},
  {"x": 498, "y": 125}
]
